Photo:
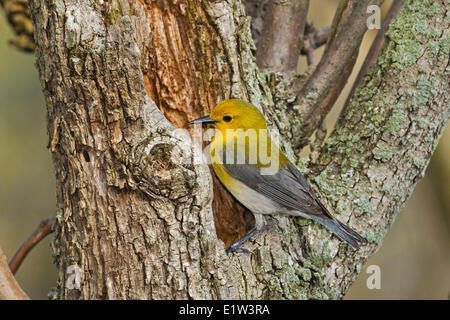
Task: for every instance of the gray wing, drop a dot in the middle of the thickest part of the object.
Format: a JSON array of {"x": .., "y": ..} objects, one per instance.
[
  {"x": 291, "y": 190},
  {"x": 288, "y": 187}
]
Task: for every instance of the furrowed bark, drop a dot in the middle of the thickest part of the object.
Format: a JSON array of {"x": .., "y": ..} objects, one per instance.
[
  {"x": 129, "y": 217},
  {"x": 280, "y": 44},
  {"x": 121, "y": 198},
  {"x": 134, "y": 223}
]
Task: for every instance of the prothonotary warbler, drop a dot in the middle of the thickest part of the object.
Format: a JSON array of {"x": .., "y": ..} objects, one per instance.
[{"x": 258, "y": 174}]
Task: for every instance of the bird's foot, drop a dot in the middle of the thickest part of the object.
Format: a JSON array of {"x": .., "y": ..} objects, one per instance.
[
  {"x": 232, "y": 248},
  {"x": 236, "y": 247}
]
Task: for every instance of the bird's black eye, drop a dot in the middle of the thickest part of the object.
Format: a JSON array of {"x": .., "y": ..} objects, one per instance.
[{"x": 227, "y": 118}]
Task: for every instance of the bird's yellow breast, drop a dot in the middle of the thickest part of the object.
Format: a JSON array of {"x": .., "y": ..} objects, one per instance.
[{"x": 248, "y": 148}]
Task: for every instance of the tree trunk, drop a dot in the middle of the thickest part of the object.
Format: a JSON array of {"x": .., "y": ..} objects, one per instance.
[{"x": 120, "y": 76}]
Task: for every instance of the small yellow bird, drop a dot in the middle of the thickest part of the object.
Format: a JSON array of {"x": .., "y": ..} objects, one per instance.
[{"x": 257, "y": 173}]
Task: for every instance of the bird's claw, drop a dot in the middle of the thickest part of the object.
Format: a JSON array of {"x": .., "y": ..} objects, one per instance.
[{"x": 237, "y": 249}]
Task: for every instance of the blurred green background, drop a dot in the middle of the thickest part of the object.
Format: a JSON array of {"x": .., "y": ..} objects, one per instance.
[{"x": 414, "y": 258}]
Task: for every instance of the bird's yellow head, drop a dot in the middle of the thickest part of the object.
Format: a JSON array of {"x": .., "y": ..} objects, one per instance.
[
  {"x": 234, "y": 114},
  {"x": 242, "y": 137}
]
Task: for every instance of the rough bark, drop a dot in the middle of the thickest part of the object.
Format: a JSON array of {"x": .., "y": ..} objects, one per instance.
[{"x": 139, "y": 225}]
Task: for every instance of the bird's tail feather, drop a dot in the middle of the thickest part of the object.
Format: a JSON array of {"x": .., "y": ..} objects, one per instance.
[{"x": 343, "y": 231}]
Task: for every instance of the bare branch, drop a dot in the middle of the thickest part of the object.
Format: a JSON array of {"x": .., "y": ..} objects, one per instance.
[
  {"x": 376, "y": 47},
  {"x": 43, "y": 230},
  {"x": 320, "y": 37},
  {"x": 284, "y": 23},
  {"x": 313, "y": 39},
  {"x": 322, "y": 88},
  {"x": 9, "y": 288},
  {"x": 18, "y": 16}
]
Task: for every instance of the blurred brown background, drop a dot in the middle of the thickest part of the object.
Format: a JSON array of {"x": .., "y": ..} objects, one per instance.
[{"x": 414, "y": 258}]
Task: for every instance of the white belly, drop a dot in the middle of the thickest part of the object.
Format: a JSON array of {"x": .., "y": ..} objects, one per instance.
[
  {"x": 254, "y": 201},
  {"x": 258, "y": 203}
]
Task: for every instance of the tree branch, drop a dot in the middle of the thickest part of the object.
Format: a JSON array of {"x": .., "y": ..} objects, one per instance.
[
  {"x": 322, "y": 88},
  {"x": 280, "y": 45},
  {"x": 313, "y": 39},
  {"x": 18, "y": 16},
  {"x": 376, "y": 47},
  {"x": 384, "y": 140},
  {"x": 256, "y": 9},
  {"x": 45, "y": 228},
  {"x": 9, "y": 288},
  {"x": 137, "y": 225}
]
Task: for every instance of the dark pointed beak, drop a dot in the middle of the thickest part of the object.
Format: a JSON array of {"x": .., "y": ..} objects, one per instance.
[{"x": 206, "y": 119}]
